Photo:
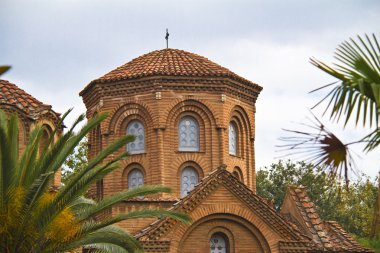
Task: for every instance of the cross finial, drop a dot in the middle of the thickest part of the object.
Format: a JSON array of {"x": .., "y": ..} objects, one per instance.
[{"x": 167, "y": 38}]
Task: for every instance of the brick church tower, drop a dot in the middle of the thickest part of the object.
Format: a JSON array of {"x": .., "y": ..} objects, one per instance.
[{"x": 194, "y": 123}]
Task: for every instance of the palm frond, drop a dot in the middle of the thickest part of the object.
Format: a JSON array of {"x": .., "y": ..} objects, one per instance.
[
  {"x": 320, "y": 147},
  {"x": 372, "y": 140},
  {"x": 108, "y": 235},
  {"x": 357, "y": 93},
  {"x": 37, "y": 219},
  {"x": 118, "y": 197},
  {"x": 137, "y": 214}
]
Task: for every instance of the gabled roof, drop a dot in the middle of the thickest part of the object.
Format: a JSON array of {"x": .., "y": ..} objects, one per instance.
[
  {"x": 11, "y": 94},
  {"x": 168, "y": 62},
  {"x": 329, "y": 235},
  {"x": 208, "y": 184}
]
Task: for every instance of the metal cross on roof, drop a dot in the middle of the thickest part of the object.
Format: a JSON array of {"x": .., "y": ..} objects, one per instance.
[{"x": 167, "y": 38}]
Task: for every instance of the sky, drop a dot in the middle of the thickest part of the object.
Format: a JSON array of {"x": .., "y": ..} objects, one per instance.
[{"x": 56, "y": 47}]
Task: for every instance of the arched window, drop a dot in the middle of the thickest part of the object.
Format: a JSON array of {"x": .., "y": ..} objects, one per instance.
[
  {"x": 219, "y": 243},
  {"x": 188, "y": 134},
  {"x": 232, "y": 138},
  {"x": 44, "y": 141},
  {"x": 136, "y": 128},
  {"x": 238, "y": 174},
  {"x": 189, "y": 178},
  {"x": 135, "y": 178}
]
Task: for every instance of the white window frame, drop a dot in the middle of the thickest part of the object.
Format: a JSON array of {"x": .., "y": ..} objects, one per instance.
[
  {"x": 185, "y": 127},
  {"x": 232, "y": 139},
  {"x": 187, "y": 181},
  {"x": 140, "y": 137},
  {"x": 139, "y": 175}
]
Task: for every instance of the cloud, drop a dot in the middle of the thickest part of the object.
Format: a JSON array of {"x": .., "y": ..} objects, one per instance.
[{"x": 57, "y": 47}]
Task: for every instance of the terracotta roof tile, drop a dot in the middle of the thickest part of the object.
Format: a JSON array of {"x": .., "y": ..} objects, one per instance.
[
  {"x": 168, "y": 62},
  {"x": 328, "y": 235},
  {"x": 13, "y": 95},
  {"x": 341, "y": 240}
]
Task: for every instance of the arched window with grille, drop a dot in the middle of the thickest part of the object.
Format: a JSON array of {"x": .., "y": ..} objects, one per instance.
[
  {"x": 135, "y": 178},
  {"x": 189, "y": 178},
  {"x": 219, "y": 243},
  {"x": 232, "y": 138},
  {"x": 136, "y": 128},
  {"x": 188, "y": 134}
]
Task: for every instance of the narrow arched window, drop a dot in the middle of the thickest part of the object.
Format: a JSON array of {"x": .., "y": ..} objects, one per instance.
[
  {"x": 136, "y": 128},
  {"x": 188, "y": 134},
  {"x": 189, "y": 178},
  {"x": 238, "y": 174},
  {"x": 232, "y": 138},
  {"x": 44, "y": 141},
  {"x": 218, "y": 243},
  {"x": 135, "y": 178}
]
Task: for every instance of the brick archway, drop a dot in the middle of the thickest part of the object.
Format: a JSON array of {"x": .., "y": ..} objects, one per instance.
[{"x": 240, "y": 233}]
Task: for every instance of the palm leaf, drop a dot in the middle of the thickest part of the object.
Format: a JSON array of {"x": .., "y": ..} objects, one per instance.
[
  {"x": 321, "y": 147},
  {"x": 41, "y": 220},
  {"x": 357, "y": 93}
]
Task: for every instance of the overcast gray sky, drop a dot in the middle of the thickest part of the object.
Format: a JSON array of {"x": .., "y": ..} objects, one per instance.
[{"x": 56, "y": 47}]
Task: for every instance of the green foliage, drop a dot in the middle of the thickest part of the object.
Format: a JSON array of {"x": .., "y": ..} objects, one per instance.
[
  {"x": 35, "y": 218},
  {"x": 353, "y": 208},
  {"x": 370, "y": 243},
  {"x": 76, "y": 161}
]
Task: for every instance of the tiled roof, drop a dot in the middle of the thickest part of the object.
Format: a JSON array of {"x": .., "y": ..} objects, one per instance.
[
  {"x": 206, "y": 186},
  {"x": 168, "y": 62},
  {"x": 309, "y": 214},
  {"x": 342, "y": 240},
  {"x": 328, "y": 235},
  {"x": 11, "y": 94}
]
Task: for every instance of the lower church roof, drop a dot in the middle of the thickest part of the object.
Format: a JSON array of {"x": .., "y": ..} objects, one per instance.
[{"x": 331, "y": 236}]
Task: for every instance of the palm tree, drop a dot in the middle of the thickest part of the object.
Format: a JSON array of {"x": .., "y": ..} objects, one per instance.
[
  {"x": 36, "y": 218},
  {"x": 355, "y": 94}
]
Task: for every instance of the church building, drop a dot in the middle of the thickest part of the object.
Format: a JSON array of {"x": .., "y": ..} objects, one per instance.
[
  {"x": 31, "y": 113},
  {"x": 194, "y": 123}
]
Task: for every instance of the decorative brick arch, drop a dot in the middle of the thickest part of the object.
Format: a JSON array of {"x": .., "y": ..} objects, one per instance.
[
  {"x": 190, "y": 105},
  {"x": 237, "y": 112},
  {"x": 238, "y": 173},
  {"x": 129, "y": 168},
  {"x": 245, "y": 133},
  {"x": 129, "y": 111},
  {"x": 188, "y": 159},
  {"x": 195, "y": 109},
  {"x": 214, "y": 220},
  {"x": 193, "y": 164}
]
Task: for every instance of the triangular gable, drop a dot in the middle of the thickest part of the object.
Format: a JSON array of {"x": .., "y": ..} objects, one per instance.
[
  {"x": 300, "y": 210},
  {"x": 208, "y": 185}
]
